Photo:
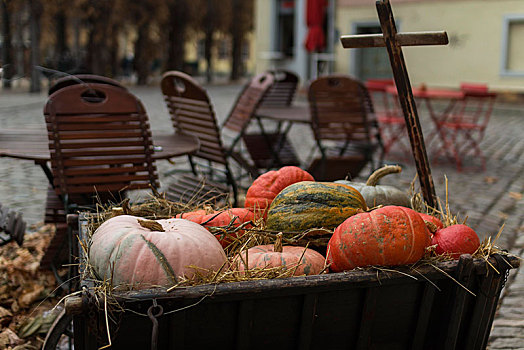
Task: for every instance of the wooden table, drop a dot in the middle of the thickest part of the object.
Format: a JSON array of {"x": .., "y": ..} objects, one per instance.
[
  {"x": 32, "y": 144},
  {"x": 297, "y": 113}
]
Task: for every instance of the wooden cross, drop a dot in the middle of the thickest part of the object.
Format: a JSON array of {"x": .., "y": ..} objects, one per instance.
[{"x": 394, "y": 41}]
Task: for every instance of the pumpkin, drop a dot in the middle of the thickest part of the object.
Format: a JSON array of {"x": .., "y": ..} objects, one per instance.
[
  {"x": 304, "y": 261},
  {"x": 391, "y": 235},
  {"x": 433, "y": 223},
  {"x": 221, "y": 218},
  {"x": 455, "y": 240},
  {"x": 268, "y": 185},
  {"x": 375, "y": 194},
  {"x": 134, "y": 251},
  {"x": 305, "y": 205}
]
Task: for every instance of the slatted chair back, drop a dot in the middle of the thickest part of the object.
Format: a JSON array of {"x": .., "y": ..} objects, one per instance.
[
  {"x": 99, "y": 147},
  {"x": 192, "y": 112},
  {"x": 247, "y": 103},
  {"x": 341, "y": 109},
  {"x": 82, "y": 79},
  {"x": 342, "y": 112},
  {"x": 283, "y": 90}
]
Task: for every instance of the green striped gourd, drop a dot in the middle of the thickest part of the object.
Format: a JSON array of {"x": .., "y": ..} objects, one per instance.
[{"x": 307, "y": 204}]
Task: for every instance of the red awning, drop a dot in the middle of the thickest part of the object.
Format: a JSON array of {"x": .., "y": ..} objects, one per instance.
[{"x": 315, "y": 13}]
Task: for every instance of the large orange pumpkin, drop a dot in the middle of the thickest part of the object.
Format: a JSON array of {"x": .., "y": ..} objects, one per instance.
[
  {"x": 304, "y": 261},
  {"x": 221, "y": 219},
  {"x": 392, "y": 235},
  {"x": 129, "y": 250},
  {"x": 268, "y": 185}
]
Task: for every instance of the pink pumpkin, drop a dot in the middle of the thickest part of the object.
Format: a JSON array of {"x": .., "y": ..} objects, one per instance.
[
  {"x": 129, "y": 250},
  {"x": 456, "y": 240},
  {"x": 303, "y": 261}
]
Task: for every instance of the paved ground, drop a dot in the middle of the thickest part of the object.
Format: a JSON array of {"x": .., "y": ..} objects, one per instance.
[{"x": 488, "y": 199}]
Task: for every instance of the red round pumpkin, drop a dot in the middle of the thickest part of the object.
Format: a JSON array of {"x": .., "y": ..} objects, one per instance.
[
  {"x": 304, "y": 261},
  {"x": 434, "y": 220},
  {"x": 391, "y": 235},
  {"x": 268, "y": 185},
  {"x": 455, "y": 240},
  {"x": 129, "y": 250},
  {"x": 220, "y": 219}
]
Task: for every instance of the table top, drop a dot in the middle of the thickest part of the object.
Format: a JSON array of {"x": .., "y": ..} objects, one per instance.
[
  {"x": 296, "y": 113},
  {"x": 32, "y": 144},
  {"x": 432, "y": 93}
]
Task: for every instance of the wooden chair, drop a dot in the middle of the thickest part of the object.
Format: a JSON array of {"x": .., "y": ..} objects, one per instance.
[
  {"x": 99, "y": 150},
  {"x": 55, "y": 213},
  {"x": 462, "y": 130},
  {"x": 342, "y": 114},
  {"x": 283, "y": 90},
  {"x": 84, "y": 79},
  {"x": 267, "y": 150},
  {"x": 192, "y": 112}
]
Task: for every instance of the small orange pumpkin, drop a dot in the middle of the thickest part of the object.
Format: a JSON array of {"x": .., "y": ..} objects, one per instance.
[
  {"x": 392, "y": 235},
  {"x": 221, "y": 219},
  {"x": 268, "y": 185},
  {"x": 305, "y": 261}
]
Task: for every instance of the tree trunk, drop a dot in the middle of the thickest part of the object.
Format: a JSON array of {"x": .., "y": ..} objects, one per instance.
[
  {"x": 61, "y": 50},
  {"x": 36, "y": 13},
  {"x": 208, "y": 43},
  {"x": 176, "y": 35},
  {"x": 236, "y": 37},
  {"x": 141, "y": 62},
  {"x": 7, "y": 48}
]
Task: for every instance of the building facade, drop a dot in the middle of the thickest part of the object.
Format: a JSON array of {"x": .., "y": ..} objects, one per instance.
[{"x": 485, "y": 41}]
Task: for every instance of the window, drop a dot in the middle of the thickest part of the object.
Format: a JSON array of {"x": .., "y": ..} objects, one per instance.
[
  {"x": 223, "y": 49},
  {"x": 512, "y": 48},
  {"x": 285, "y": 41}
]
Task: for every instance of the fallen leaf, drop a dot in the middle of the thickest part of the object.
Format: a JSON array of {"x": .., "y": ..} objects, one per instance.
[
  {"x": 516, "y": 195},
  {"x": 490, "y": 179},
  {"x": 9, "y": 338},
  {"x": 29, "y": 297}
]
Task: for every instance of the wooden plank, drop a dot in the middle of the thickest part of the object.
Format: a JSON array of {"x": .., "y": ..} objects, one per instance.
[
  {"x": 368, "y": 316},
  {"x": 463, "y": 276},
  {"x": 309, "y": 309},
  {"x": 245, "y": 324},
  {"x": 403, "y": 39},
  {"x": 426, "y": 304},
  {"x": 484, "y": 309}
]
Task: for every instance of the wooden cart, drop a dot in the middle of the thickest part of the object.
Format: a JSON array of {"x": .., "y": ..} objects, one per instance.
[{"x": 449, "y": 305}]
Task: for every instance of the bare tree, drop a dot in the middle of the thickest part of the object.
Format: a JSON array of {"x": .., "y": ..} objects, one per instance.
[
  {"x": 241, "y": 23},
  {"x": 36, "y": 9},
  {"x": 7, "y": 47},
  {"x": 177, "y": 25}
]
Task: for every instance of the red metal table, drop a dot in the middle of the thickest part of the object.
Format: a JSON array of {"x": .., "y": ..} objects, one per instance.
[{"x": 430, "y": 96}]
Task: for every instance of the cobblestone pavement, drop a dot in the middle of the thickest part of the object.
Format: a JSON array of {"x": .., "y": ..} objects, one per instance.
[{"x": 488, "y": 199}]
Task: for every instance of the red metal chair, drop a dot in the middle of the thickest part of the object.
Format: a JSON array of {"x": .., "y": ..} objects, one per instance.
[
  {"x": 391, "y": 122},
  {"x": 462, "y": 130}
]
